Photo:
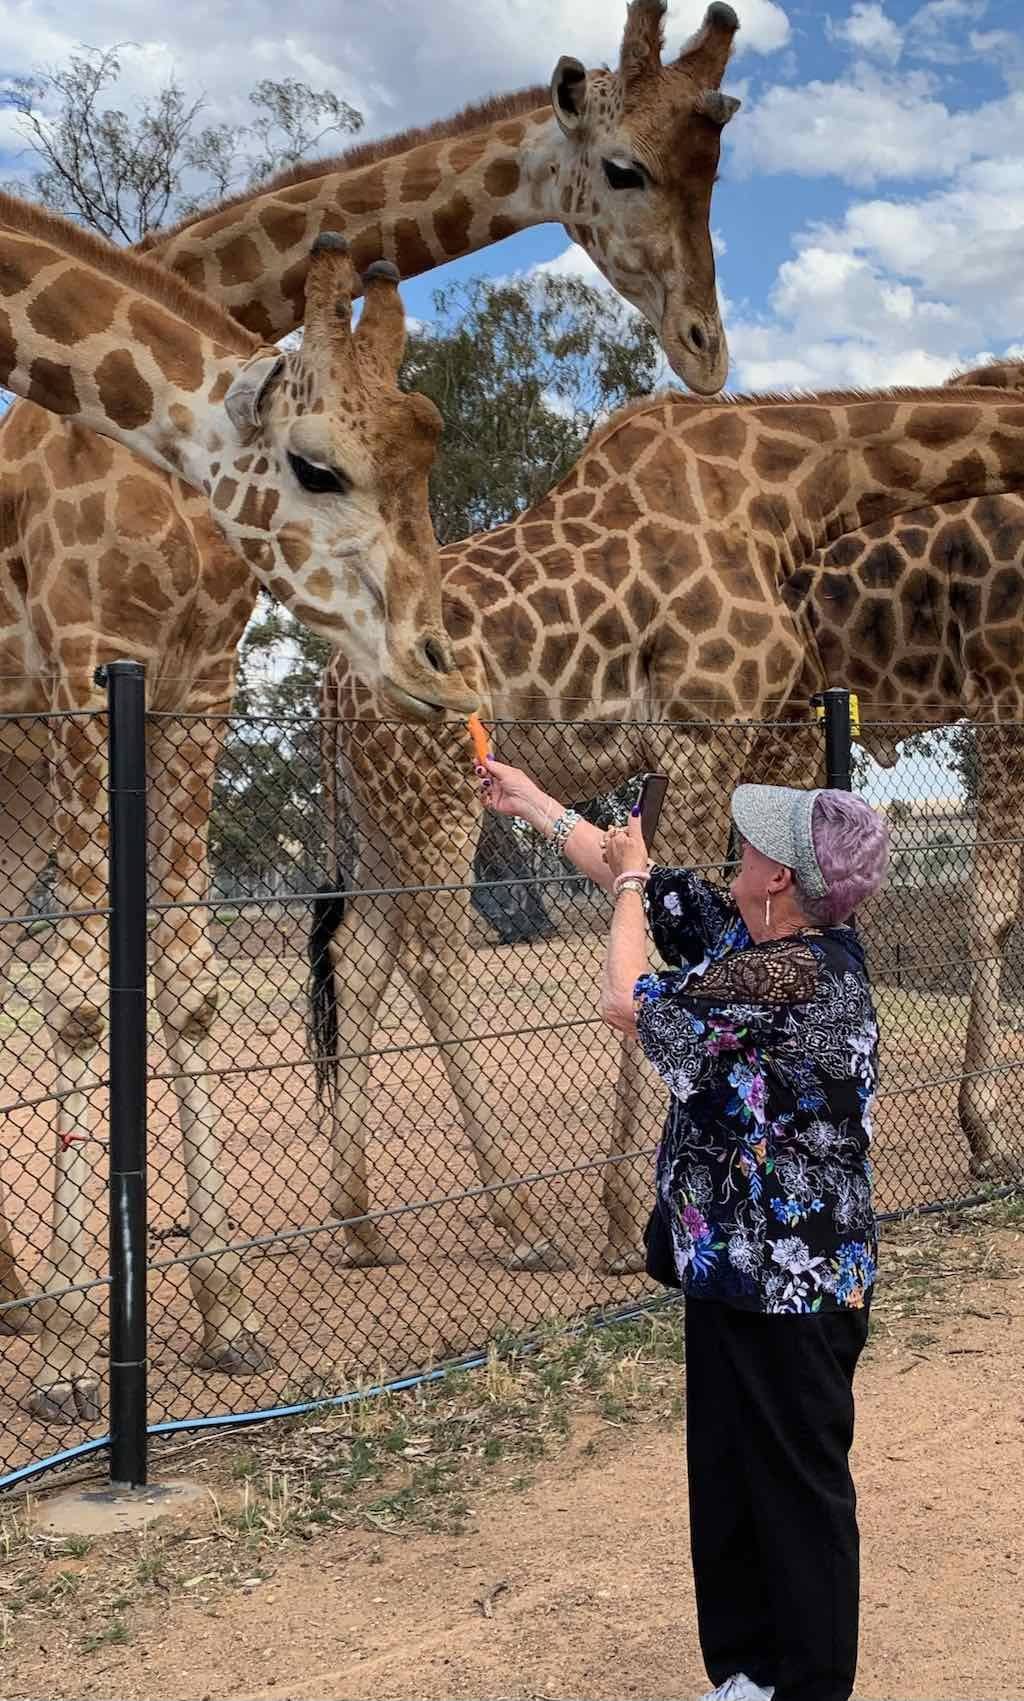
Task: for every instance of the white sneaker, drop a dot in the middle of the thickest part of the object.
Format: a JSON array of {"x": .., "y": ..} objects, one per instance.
[{"x": 739, "y": 1687}]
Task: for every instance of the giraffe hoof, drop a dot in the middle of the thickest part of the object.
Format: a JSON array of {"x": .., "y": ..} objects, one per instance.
[
  {"x": 632, "y": 1263},
  {"x": 87, "y": 1399},
  {"x": 19, "y": 1320},
  {"x": 544, "y": 1256},
  {"x": 997, "y": 1166},
  {"x": 66, "y": 1402},
  {"x": 244, "y": 1355}
]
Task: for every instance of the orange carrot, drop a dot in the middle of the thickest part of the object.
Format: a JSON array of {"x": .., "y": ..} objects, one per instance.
[{"x": 478, "y": 733}]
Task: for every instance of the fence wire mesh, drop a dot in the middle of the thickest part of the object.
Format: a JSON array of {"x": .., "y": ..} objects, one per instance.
[{"x": 385, "y": 1121}]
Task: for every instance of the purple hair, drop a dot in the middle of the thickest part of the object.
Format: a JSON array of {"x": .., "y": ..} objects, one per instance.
[{"x": 851, "y": 844}]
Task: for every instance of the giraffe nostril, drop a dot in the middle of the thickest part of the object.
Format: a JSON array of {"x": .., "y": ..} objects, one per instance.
[
  {"x": 698, "y": 338},
  {"x": 437, "y": 657}
]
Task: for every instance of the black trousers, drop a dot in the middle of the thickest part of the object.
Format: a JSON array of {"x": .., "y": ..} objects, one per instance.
[{"x": 773, "y": 1519}]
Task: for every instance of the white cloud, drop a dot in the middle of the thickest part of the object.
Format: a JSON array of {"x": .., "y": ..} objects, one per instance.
[
  {"x": 573, "y": 262},
  {"x": 896, "y": 291},
  {"x": 872, "y": 126},
  {"x": 932, "y": 32},
  {"x": 869, "y": 29}
]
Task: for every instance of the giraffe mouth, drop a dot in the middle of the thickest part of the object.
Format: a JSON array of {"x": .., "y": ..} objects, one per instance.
[{"x": 427, "y": 708}]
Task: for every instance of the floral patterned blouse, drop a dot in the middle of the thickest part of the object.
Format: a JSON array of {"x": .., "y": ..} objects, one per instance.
[{"x": 771, "y": 1055}]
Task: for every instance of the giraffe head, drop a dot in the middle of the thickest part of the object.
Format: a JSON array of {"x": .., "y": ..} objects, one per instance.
[
  {"x": 331, "y": 462},
  {"x": 638, "y": 175}
]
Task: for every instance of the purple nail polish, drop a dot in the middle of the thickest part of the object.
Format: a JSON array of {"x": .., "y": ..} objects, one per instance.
[
  {"x": 635, "y": 810},
  {"x": 490, "y": 758}
]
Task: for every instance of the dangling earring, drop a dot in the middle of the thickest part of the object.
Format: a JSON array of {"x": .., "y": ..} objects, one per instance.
[{"x": 768, "y": 912}]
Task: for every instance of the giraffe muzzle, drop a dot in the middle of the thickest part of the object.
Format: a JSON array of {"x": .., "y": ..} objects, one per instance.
[{"x": 426, "y": 703}]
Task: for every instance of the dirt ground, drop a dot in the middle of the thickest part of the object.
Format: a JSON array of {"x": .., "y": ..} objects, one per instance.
[
  {"x": 328, "y": 1326},
  {"x": 573, "y": 1579}
]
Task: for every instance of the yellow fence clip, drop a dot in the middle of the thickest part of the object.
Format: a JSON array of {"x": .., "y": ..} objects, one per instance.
[{"x": 818, "y": 710}]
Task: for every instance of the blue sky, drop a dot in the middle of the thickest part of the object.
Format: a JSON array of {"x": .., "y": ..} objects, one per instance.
[{"x": 870, "y": 216}]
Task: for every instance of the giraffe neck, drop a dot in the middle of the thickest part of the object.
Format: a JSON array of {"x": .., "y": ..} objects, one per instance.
[
  {"x": 815, "y": 470},
  {"x": 101, "y": 337},
  {"x": 442, "y": 198}
]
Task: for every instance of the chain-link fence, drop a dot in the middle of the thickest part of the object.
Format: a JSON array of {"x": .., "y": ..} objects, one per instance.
[{"x": 385, "y": 1123}]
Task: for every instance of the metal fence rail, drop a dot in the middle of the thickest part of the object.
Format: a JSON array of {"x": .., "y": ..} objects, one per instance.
[{"x": 385, "y": 1124}]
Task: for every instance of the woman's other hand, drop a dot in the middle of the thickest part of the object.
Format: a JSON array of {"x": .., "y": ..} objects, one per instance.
[{"x": 624, "y": 849}]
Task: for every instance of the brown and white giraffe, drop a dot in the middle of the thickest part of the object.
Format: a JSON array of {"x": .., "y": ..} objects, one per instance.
[
  {"x": 315, "y": 465},
  {"x": 922, "y": 617},
  {"x": 626, "y": 159},
  {"x": 644, "y": 588}
]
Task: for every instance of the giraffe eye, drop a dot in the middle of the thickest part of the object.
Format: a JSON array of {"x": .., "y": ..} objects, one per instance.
[
  {"x": 319, "y": 481},
  {"x": 623, "y": 176}
]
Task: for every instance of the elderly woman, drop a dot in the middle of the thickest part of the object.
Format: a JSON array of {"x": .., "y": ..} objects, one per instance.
[{"x": 763, "y": 1028}]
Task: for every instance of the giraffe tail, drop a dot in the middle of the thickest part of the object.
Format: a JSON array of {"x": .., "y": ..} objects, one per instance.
[{"x": 322, "y": 1007}]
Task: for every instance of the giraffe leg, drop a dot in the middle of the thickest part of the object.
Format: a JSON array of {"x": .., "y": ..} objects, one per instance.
[
  {"x": 67, "y": 1384},
  {"x": 626, "y": 1190},
  {"x": 25, "y": 837},
  {"x": 364, "y": 951},
  {"x": 438, "y": 961},
  {"x": 417, "y": 821},
  {"x": 995, "y": 901},
  {"x": 182, "y": 760}
]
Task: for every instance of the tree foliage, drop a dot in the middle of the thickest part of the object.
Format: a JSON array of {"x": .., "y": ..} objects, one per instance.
[
  {"x": 521, "y": 371},
  {"x": 124, "y": 173}
]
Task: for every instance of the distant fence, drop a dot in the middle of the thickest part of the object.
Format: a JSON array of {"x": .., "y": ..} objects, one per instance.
[{"x": 474, "y": 1166}]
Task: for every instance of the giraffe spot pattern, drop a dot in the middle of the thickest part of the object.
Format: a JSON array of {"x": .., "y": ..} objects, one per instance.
[
  {"x": 52, "y": 385},
  {"x": 239, "y": 260},
  {"x": 75, "y": 305},
  {"x": 452, "y": 224},
  {"x": 501, "y": 177},
  {"x": 179, "y": 358}
]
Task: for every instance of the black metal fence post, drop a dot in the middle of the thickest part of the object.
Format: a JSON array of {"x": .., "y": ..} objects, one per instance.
[
  {"x": 837, "y": 706},
  {"x": 125, "y": 682}
]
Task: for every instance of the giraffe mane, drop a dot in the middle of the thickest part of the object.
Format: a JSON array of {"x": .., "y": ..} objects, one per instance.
[
  {"x": 478, "y": 115},
  {"x": 788, "y": 398},
  {"x": 144, "y": 277}
]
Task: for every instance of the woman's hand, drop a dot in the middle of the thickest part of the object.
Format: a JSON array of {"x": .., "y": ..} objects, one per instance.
[
  {"x": 508, "y": 791},
  {"x": 624, "y": 849}
]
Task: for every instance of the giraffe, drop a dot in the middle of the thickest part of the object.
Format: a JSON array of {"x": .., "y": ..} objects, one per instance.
[
  {"x": 274, "y": 443},
  {"x": 921, "y": 617},
  {"x": 644, "y": 587},
  {"x": 625, "y": 159}
]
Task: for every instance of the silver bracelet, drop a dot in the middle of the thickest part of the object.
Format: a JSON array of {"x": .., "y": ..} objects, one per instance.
[
  {"x": 562, "y": 828},
  {"x": 632, "y": 883}
]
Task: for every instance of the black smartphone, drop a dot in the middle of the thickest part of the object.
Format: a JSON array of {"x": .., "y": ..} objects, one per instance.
[{"x": 652, "y": 797}]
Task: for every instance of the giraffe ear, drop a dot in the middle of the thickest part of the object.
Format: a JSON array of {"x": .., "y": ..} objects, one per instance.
[
  {"x": 244, "y": 399},
  {"x": 719, "y": 108},
  {"x": 569, "y": 93}
]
